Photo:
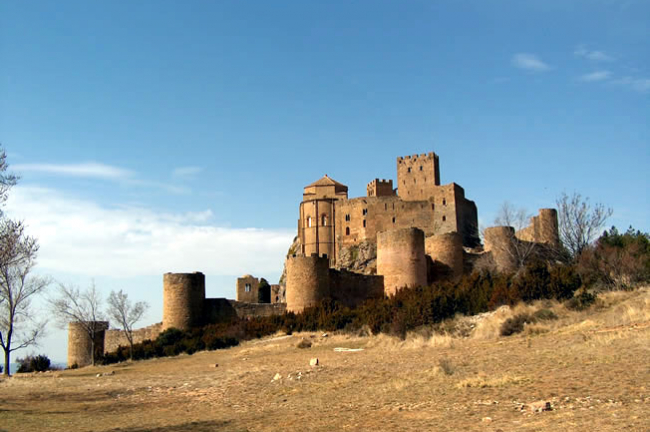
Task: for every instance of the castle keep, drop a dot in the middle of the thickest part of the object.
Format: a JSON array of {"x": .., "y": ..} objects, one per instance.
[
  {"x": 330, "y": 221},
  {"x": 413, "y": 235}
]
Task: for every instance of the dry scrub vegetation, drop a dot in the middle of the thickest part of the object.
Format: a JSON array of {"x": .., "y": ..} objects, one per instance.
[{"x": 591, "y": 366}]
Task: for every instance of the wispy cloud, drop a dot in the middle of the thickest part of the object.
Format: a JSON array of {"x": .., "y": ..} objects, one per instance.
[
  {"x": 186, "y": 172},
  {"x": 596, "y": 76},
  {"x": 641, "y": 85},
  {"x": 82, "y": 237},
  {"x": 86, "y": 169},
  {"x": 529, "y": 62},
  {"x": 597, "y": 56}
]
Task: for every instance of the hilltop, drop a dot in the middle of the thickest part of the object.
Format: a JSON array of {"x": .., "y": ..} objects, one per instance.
[{"x": 590, "y": 366}]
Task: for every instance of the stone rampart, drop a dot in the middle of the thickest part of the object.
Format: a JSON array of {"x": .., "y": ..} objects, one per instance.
[
  {"x": 352, "y": 289},
  {"x": 446, "y": 251},
  {"x": 115, "y": 338},
  {"x": 500, "y": 242},
  {"x": 401, "y": 259},
  {"x": 307, "y": 281},
  {"x": 80, "y": 343},
  {"x": 183, "y": 296}
]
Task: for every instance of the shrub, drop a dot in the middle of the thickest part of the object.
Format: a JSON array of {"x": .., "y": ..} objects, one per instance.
[
  {"x": 581, "y": 302},
  {"x": 515, "y": 324},
  {"x": 544, "y": 315},
  {"x": 39, "y": 363},
  {"x": 446, "y": 366}
]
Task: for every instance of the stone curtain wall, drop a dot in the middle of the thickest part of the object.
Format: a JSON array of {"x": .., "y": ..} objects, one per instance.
[
  {"x": 352, "y": 289},
  {"x": 116, "y": 338}
]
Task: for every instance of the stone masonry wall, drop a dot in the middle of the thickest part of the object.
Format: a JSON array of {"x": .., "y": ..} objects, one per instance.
[
  {"x": 116, "y": 338},
  {"x": 401, "y": 259}
]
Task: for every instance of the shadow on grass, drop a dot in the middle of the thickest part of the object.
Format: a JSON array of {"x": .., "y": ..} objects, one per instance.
[{"x": 197, "y": 426}]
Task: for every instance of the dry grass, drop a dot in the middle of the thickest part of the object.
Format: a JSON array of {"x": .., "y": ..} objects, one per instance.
[{"x": 590, "y": 365}]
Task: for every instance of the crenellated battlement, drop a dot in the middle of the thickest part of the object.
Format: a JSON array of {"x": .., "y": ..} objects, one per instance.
[{"x": 381, "y": 187}]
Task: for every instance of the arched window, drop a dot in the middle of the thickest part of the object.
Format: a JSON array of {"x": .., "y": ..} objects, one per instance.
[
  {"x": 309, "y": 222},
  {"x": 347, "y": 231},
  {"x": 347, "y": 217}
]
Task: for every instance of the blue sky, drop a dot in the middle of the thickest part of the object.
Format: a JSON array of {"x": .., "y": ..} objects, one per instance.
[{"x": 158, "y": 136}]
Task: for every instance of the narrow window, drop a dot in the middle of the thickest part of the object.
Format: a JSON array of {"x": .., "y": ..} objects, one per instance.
[
  {"x": 364, "y": 223},
  {"x": 444, "y": 201},
  {"x": 409, "y": 169},
  {"x": 393, "y": 220},
  {"x": 444, "y": 218},
  {"x": 347, "y": 230},
  {"x": 309, "y": 222},
  {"x": 414, "y": 181},
  {"x": 433, "y": 206},
  {"x": 324, "y": 220},
  {"x": 420, "y": 167},
  {"x": 347, "y": 217},
  {"x": 365, "y": 212},
  {"x": 386, "y": 206},
  {"x": 248, "y": 288}
]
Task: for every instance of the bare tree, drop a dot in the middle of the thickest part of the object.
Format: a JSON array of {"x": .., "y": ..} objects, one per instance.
[
  {"x": 126, "y": 314},
  {"x": 579, "y": 222},
  {"x": 81, "y": 307},
  {"x": 18, "y": 327},
  {"x": 520, "y": 249},
  {"x": 7, "y": 180}
]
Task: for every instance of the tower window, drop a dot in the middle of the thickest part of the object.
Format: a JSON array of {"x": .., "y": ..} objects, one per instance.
[
  {"x": 347, "y": 230},
  {"x": 433, "y": 206},
  {"x": 444, "y": 218},
  {"x": 365, "y": 212},
  {"x": 393, "y": 220},
  {"x": 444, "y": 201},
  {"x": 309, "y": 222},
  {"x": 420, "y": 167},
  {"x": 364, "y": 223},
  {"x": 386, "y": 206},
  {"x": 409, "y": 169},
  {"x": 324, "y": 220},
  {"x": 347, "y": 218},
  {"x": 247, "y": 288}
]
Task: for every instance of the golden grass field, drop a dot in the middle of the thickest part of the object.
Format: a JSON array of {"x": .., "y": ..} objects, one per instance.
[{"x": 591, "y": 366}]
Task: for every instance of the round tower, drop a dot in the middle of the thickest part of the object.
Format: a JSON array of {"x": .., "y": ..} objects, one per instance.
[
  {"x": 500, "y": 241},
  {"x": 80, "y": 343},
  {"x": 183, "y": 298},
  {"x": 547, "y": 228},
  {"x": 401, "y": 259},
  {"x": 307, "y": 281},
  {"x": 446, "y": 251}
]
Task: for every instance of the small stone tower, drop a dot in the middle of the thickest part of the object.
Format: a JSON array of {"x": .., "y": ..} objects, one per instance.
[
  {"x": 446, "y": 251},
  {"x": 80, "y": 344},
  {"x": 316, "y": 226},
  {"x": 500, "y": 241},
  {"x": 546, "y": 228},
  {"x": 183, "y": 298},
  {"x": 307, "y": 281},
  {"x": 401, "y": 259}
]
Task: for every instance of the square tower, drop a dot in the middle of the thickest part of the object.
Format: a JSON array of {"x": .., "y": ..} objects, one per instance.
[{"x": 417, "y": 175}]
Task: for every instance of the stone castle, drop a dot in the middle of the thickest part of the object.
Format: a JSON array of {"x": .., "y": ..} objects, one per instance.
[{"x": 413, "y": 235}]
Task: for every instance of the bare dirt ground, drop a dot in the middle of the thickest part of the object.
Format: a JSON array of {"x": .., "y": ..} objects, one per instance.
[{"x": 592, "y": 367}]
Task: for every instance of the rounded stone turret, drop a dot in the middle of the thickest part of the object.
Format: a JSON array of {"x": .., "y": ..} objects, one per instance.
[
  {"x": 183, "y": 298},
  {"x": 547, "y": 228},
  {"x": 80, "y": 344},
  {"x": 500, "y": 241},
  {"x": 307, "y": 281},
  {"x": 446, "y": 251},
  {"x": 401, "y": 259}
]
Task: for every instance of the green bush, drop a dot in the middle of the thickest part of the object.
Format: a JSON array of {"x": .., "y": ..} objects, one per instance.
[
  {"x": 544, "y": 315},
  {"x": 39, "y": 363},
  {"x": 515, "y": 324},
  {"x": 582, "y": 301}
]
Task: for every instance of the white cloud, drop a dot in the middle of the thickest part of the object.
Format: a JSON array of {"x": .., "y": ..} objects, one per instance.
[
  {"x": 186, "y": 172},
  {"x": 81, "y": 237},
  {"x": 529, "y": 62},
  {"x": 598, "y": 56},
  {"x": 641, "y": 85},
  {"x": 86, "y": 169},
  {"x": 596, "y": 76}
]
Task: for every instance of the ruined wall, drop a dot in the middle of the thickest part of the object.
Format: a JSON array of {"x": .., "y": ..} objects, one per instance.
[
  {"x": 543, "y": 229},
  {"x": 378, "y": 188},
  {"x": 277, "y": 295},
  {"x": 116, "y": 338},
  {"x": 307, "y": 281},
  {"x": 248, "y": 289},
  {"x": 499, "y": 241},
  {"x": 80, "y": 344},
  {"x": 220, "y": 310},
  {"x": 183, "y": 296},
  {"x": 352, "y": 289},
  {"x": 401, "y": 259},
  {"x": 417, "y": 175},
  {"x": 446, "y": 251}
]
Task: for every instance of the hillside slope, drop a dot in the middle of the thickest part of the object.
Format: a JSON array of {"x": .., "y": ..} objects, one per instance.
[{"x": 590, "y": 366}]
